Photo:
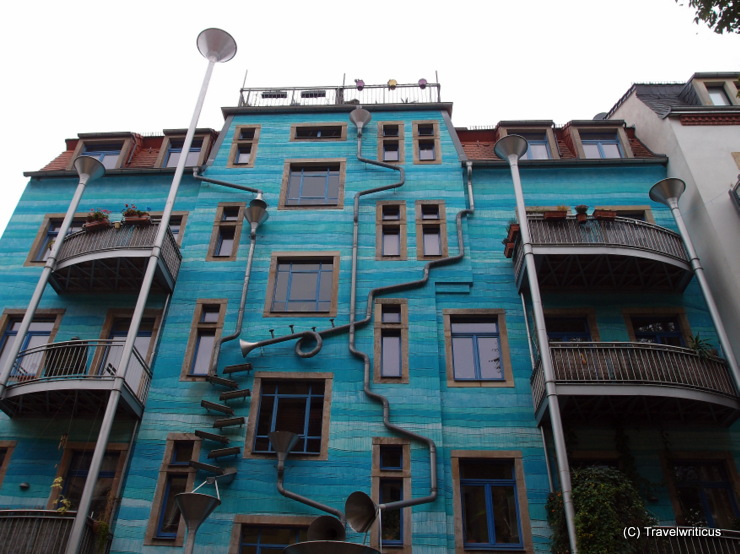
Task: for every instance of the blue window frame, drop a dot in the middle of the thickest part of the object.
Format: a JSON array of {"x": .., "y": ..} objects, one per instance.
[
  {"x": 539, "y": 146},
  {"x": 303, "y": 286},
  {"x": 476, "y": 350},
  {"x": 391, "y": 490},
  {"x": 313, "y": 185},
  {"x": 568, "y": 329},
  {"x": 601, "y": 145},
  {"x": 490, "y": 506},
  {"x": 262, "y": 539},
  {"x": 52, "y": 232},
  {"x": 658, "y": 330},
  {"x": 107, "y": 154},
  {"x": 391, "y": 457},
  {"x": 169, "y": 513},
  {"x": 174, "y": 151},
  {"x": 38, "y": 334},
  {"x": 705, "y": 493},
  {"x": 296, "y": 406}
]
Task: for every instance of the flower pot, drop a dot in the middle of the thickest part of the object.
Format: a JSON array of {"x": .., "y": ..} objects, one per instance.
[
  {"x": 509, "y": 249},
  {"x": 556, "y": 215},
  {"x": 582, "y": 218},
  {"x": 513, "y": 232},
  {"x": 96, "y": 225},
  {"x": 137, "y": 220},
  {"x": 605, "y": 214}
]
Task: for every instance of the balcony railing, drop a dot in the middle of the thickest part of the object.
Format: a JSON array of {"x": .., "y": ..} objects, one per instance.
[
  {"x": 334, "y": 96},
  {"x": 628, "y": 363},
  {"x": 86, "y": 360},
  {"x": 657, "y": 254},
  {"x": 689, "y": 540},
  {"x": 47, "y": 532},
  {"x": 103, "y": 245}
]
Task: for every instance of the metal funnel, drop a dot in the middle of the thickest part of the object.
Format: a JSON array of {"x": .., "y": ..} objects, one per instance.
[
  {"x": 361, "y": 511},
  {"x": 195, "y": 508},
  {"x": 328, "y": 547},
  {"x": 511, "y": 144},
  {"x": 667, "y": 190},
  {"x": 216, "y": 45},
  {"x": 88, "y": 168}
]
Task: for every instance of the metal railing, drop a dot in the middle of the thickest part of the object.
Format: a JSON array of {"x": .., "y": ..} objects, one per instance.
[
  {"x": 125, "y": 237},
  {"x": 338, "y": 95},
  {"x": 609, "y": 363},
  {"x": 623, "y": 232},
  {"x": 81, "y": 359},
  {"x": 47, "y": 532},
  {"x": 689, "y": 540}
]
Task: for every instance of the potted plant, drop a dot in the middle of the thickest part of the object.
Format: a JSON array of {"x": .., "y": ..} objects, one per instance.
[
  {"x": 557, "y": 214},
  {"x": 135, "y": 216},
  {"x": 605, "y": 214},
  {"x": 513, "y": 231},
  {"x": 581, "y": 214},
  {"x": 97, "y": 218}
]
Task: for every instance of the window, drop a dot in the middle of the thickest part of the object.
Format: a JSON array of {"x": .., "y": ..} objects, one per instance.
[
  {"x": 47, "y": 236},
  {"x": 391, "y": 482},
  {"x": 718, "y": 96},
  {"x": 431, "y": 230},
  {"x": 391, "y": 340},
  {"x": 107, "y": 153},
  {"x": 39, "y": 333},
  {"x": 290, "y": 402},
  {"x": 227, "y": 229},
  {"x": 390, "y": 141},
  {"x": 601, "y": 145},
  {"x": 174, "y": 151},
  {"x": 390, "y": 221},
  {"x": 6, "y": 451},
  {"x": 244, "y": 146},
  {"x": 117, "y": 328},
  {"x": 490, "y": 504},
  {"x": 539, "y": 145},
  {"x": 267, "y": 534},
  {"x": 658, "y": 330},
  {"x": 705, "y": 494},
  {"x": 302, "y": 284},
  {"x": 175, "y": 476},
  {"x": 311, "y": 132},
  {"x": 568, "y": 329},
  {"x": 74, "y": 469},
  {"x": 426, "y": 142},
  {"x": 208, "y": 320},
  {"x": 313, "y": 184},
  {"x": 477, "y": 352}
]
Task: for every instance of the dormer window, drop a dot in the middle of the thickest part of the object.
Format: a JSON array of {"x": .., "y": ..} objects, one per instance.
[
  {"x": 601, "y": 145},
  {"x": 107, "y": 153},
  {"x": 174, "y": 151},
  {"x": 718, "y": 96},
  {"x": 539, "y": 146}
]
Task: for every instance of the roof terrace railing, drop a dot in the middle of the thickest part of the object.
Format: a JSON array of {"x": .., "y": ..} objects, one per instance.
[{"x": 337, "y": 95}]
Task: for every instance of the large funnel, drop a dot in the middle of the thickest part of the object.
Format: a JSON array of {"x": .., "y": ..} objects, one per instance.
[
  {"x": 195, "y": 508},
  {"x": 511, "y": 144},
  {"x": 667, "y": 190},
  {"x": 360, "y": 117},
  {"x": 216, "y": 45},
  {"x": 328, "y": 547},
  {"x": 88, "y": 168},
  {"x": 361, "y": 511}
]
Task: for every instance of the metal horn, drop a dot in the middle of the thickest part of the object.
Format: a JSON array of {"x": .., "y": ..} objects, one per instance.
[
  {"x": 247, "y": 347},
  {"x": 326, "y": 528},
  {"x": 361, "y": 511}
]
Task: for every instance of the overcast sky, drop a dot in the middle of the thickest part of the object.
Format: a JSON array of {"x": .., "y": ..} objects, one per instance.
[{"x": 92, "y": 66}]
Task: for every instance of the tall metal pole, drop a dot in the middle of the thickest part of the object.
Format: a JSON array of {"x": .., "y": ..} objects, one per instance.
[
  {"x": 511, "y": 148},
  {"x": 216, "y": 46},
  {"x": 667, "y": 192},
  {"x": 88, "y": 169}
]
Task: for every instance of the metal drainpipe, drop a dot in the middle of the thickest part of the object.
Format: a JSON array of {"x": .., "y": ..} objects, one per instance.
[
  {"x": 544, "y": 351},
  {"x": 304, "y": 500},
  {"x": 75, "y": 536}
]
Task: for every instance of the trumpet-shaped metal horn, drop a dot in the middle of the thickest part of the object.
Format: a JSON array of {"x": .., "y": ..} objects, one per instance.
[{"x": 247, "y": 346}]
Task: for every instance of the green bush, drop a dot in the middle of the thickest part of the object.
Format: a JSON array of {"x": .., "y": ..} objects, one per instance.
[{"x": 605, "y": 502}]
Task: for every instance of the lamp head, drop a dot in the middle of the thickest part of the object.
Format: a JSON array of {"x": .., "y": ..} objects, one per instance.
[
  {"x": 88, "y": 168},
  {"x": 667, "y": 191},
  {"x": 216, "y": 45},
  {"x": 511, "y": 144}
]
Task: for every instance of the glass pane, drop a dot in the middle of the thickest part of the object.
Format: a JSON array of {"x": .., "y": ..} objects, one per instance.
[
  {"x": 391, "y": 490},
  {"x": 243, "y": 155},
  {"x": 611, "y": 150},
  {"x": 391, "y": 355},
  {"x": 391, "y": 213},
  {"x": 291, "y": 415},
  {"x": 538, "y": 151},
  {"x": 474, "y": 327},
  {"x": 209, "y": 313},
  {"x": 505, "y": 520},
  {"x": 475, "y": 515},
  {"x": 591, "y": 151},
  {"x": 462, "y": 358},
  {"x": 426, "y": 151},
  {"x": 391, "y": 456},
  {"x": 391, "y": 313},
  {"x": 314, "y": 185},
  {"x": 391, "y": 242},
  {"x": 170, "y": 513},
  {"x": 303, "y": 286},
  {"x": 489, "y": 358},
  {"x": 225, "y": 245},
  {"x": 432, "y": 246},
  {"x": 182, "y": 452},
  {"x": 486, "y": 469},
  {"x": 203, "y": 352}
]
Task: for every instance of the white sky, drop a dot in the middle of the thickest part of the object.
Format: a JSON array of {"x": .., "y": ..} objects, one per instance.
[{"x": 83, "y": 66}]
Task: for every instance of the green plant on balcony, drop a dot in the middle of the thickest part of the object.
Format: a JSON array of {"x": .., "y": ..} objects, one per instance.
[
  {"x": 701, "y": 346},
  {"x": 97, "y": 218},
  {"x": 62, "y": 502},
  {"x": 132, "y": 214}
]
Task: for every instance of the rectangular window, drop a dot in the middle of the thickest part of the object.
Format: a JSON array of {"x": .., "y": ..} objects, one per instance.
[
  {"x": 39, "y": 333},
  {"x": 291, "y": 405},
  {"x": 490, "y": 504},
  {"x": 391, "y": 482},
  {"x": 390, "y": 141},
  {"x": 106, "y": 153},
  {"x": 431, "y": 229},
  {"x": 313, "y": 185},
  {"x": 174, "y": 151},
  {"x": 244, "y": 146},
  {"x": 311, "y": 132},
  {"x": 208, "y": 320},
  {"x": 539, "y": 145},
  {"x": 303, "y": 284},
  {"x": 390, "y": 221},
  {"x": 264, "y": 539},
  {"x": 658, "y": 330},
  {"x": 227, "y": 229},
  {"x": 48, "y": 235},
  {"x": 391, "y": 490},
  {"x": 601, "y": 145},
  {"x": 426, "y": 142},
  {"x": 391, "y": 340},
  {"x": 718, "y": 95},
  {"x": 568, "y": 329},
  {"x": 166, "y": 526},
  {"x": 706, "y": 496}
]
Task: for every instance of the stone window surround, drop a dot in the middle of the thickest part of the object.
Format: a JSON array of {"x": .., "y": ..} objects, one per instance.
[
  {"x": 402, "y": 328},
  {"x": 401, "y": 224},
  {"x": 400, "y": 139},
  {"x": 236, "y": 143},
  {"x": 296, "y": 126},
  {"x": 421, "y": 223},
  {"x": 218, "y": 224},
  {"x": 435, "y": 137},
  {"x": 197, "y": 325},
  {"x": 287, "y": 168},
  {"x": 404, "y": 474}
]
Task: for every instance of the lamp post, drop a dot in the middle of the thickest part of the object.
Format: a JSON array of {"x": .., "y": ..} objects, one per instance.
[
  {"x": 667, "y": 192},
  {"x": 216, "y": 46},
  {"x": 511, "y": 148}
]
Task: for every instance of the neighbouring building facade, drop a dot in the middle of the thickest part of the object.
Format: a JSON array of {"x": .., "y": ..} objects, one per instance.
[{"x": 383, "y": 314}]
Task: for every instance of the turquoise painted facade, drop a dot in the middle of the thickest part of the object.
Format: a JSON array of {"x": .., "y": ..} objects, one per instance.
[{"x": 472, "y": 421}]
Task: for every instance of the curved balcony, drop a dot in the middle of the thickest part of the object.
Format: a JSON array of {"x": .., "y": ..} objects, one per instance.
[
  {"x": 114, "y": 260},
  {"x": 47, "y": 531},
  {"x": 615, "y": 254},
  {"x": 75, "y": 378},
  {"x": 641, "y": 381}
]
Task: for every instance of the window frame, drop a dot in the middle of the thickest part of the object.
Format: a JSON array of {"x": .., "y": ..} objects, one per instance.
[
  {"x": 220, "y": 225},
  {"x": 308, "y": 258},
  {"x": 425, "y": 224},
  {"x": 88, "y": 141},
  {"x": 587, "y": 313},
  {"x": 382, "y": 225},
  {"x": 620, "y": 136},
  {"x": 264, "y": 521},
  {"x": 10, "y": 315},
  {"x": 402, "y": 328},
  {"x": 196, "y": 327},
  {"x": 261, "y": 377},
  {"x": 449, "y": 315},
  {"x": 292, "y": 165},
  {"x": 295, "y": 127},
  {"x": 547, "y": 133},
  {"x": 728, "y": 86},
  {"x": 402, "y": 474},
  {"x": 237, "y": 143},
  {"x": 42, "y": 239},
  {"x": 168, "y": 469},
  {"x": 419, "y": 138},
  {"x": 398, "y": 139},
  {"x": 629, "y": 313},
  {"x": 167, "y": 148},
  {"x": 511, "y": 456}
]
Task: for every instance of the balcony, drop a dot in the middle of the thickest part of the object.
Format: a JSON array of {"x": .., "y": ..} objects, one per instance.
[
  {"x": 114, "y": 260},
  {"x": 47, "y": 531},
  {"x": 617, "y": 254},
  {"x": 75, "y": 378},
  {"x": 637, "y": 381},
  {"x": 689, "y": 540}
]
